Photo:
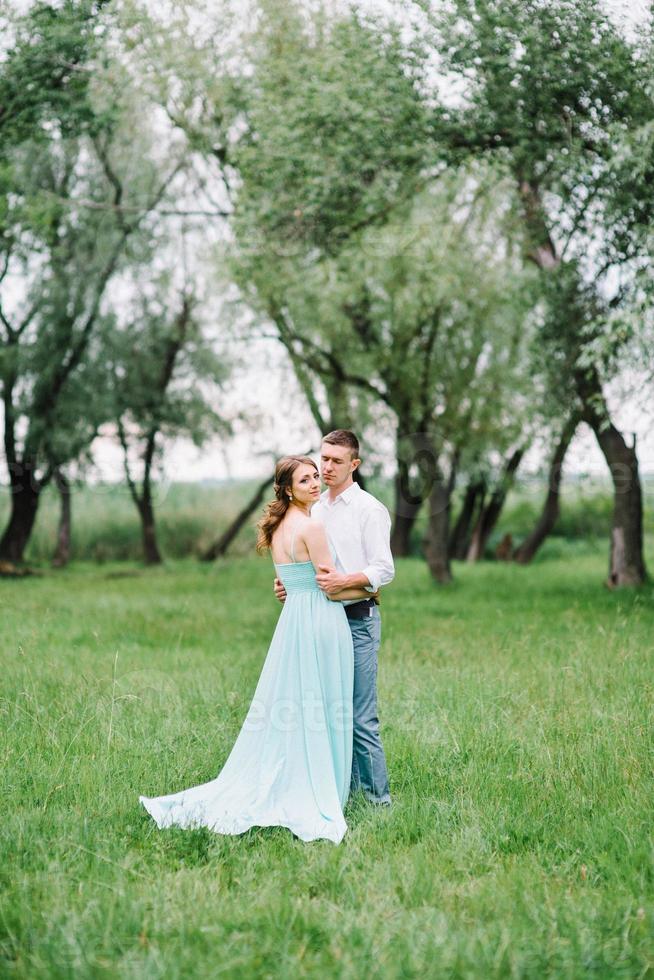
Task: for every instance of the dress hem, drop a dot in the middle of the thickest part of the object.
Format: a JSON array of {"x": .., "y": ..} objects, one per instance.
[{"x": 160, "y": 817}]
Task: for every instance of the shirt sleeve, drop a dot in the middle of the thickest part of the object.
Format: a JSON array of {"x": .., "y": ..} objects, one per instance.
[{"x": 380, "y": 569}]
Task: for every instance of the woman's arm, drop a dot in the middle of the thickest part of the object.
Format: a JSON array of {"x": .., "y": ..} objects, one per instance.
[{"x": 315, "y": 539}]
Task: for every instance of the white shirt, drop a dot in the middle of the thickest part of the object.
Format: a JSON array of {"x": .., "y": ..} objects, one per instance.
[{"x": 359, "y": 528}]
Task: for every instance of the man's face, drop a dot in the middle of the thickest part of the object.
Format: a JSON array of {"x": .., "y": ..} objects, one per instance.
[{"x": 336, "y": 464}]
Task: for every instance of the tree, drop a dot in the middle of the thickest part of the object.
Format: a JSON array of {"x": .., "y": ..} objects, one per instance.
[
  {"x": 349, "y": 94},
  {"x": 490, "y": 509},
  {"x": 78, "y": 184},
  {"x": 546, "y": 85},
  {"x": 161, "y": 361},
  {"x": 549, "y": 515},
  {"x": 324, "y": 164},
  {"x": 441, "y": 352},
  {"x": 62, "y": 551}
]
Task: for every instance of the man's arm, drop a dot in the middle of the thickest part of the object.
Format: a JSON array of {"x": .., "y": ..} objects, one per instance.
[
  {"x": 331, "y": 581},
  {"x": 355, "y": 593},
  {"x": 380, "y": 569}
]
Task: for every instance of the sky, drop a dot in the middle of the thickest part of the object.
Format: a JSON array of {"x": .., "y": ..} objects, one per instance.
[{"x": 280, "y": 422}]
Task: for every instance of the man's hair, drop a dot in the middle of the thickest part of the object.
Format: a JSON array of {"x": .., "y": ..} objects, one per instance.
[{"x": 343, "y": 437}]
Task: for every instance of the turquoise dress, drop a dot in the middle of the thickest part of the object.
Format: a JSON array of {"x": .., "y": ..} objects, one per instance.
[{"x": 291, "y": 763}]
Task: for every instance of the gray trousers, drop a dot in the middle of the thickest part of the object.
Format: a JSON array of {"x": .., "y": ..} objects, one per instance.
[{"x": 369, "y": 771}]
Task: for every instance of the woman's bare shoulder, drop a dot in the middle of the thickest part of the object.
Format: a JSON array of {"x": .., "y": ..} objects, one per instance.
[{"x": 313, "y": 530}]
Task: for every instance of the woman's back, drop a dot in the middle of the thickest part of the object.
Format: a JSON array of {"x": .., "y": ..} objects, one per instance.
[{"x": 287, "y": 545}]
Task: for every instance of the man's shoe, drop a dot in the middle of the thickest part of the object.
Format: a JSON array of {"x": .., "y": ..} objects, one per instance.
[{"x": 377, "y": 802}]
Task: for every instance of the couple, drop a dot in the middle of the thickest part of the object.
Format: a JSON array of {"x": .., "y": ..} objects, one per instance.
[{"x": 311, "y": 734}]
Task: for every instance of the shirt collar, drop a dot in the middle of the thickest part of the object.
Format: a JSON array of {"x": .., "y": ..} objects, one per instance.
[{"x": 347, "y": 496}]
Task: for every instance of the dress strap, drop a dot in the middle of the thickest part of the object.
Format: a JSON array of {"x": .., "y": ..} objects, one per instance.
[{"x": 292, "y": 551}]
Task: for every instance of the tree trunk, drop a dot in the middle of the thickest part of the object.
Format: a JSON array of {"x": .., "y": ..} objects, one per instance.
[
  {"x": 626, "y": 561},
  {"x": 25, "y": 492},
  {"x": 412, "y": 451},
  {"x": 406, "y": 507},
  {"x": 401, "y": 534},
  {"x": 62, "y": 552},
  {"x": 524, "y": 553},
  {"x": 438, "y": 528},
  {"x": 460, "y": 536},
  {"x": 219, "y": 547},
  {"x": 436, "y": 540},
  {"x": 151, "y": 554},
  {"x": 489, "y": 514}
]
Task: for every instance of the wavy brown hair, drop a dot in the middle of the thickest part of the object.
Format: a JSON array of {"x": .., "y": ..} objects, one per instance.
[{"x": 275, "y": 511}]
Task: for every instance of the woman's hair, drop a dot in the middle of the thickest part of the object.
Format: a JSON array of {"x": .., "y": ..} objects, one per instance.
[{"x": 276, "y": 509}]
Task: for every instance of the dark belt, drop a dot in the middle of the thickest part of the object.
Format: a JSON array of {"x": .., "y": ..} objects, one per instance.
[{"x": 360, "y": 610}]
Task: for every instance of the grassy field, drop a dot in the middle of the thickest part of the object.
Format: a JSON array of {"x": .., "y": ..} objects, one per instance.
[{"x": 516, "y": 710}]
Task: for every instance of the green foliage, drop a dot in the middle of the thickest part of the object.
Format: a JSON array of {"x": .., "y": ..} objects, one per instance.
[
  {"x": 547, "y": 81},
  {"x": 442, "y": 310},
  {"x": 632, "y": 203},
  {"x": 191, "y": 59},
  {"x": 428, "y": 314},
  {"x": 585, "y": 515},
  {"x": 558, "y": 96},
  {"x": 337, "y": 129},
  {"x": 553, "y": 89},
  {"x": 45, "y": 76},
  {"x": 581, "y": 529},
  {"x": 516, "y": 714},
  {"x": 80, "y": 180},
  {"x": 63, "y": 256},
  {"x": 159, "y": 360}
]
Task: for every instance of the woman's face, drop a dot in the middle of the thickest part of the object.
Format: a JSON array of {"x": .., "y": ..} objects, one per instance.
[{"x": 306, "y": 484}]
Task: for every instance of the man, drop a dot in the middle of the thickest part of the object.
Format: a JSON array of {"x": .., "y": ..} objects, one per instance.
[{"x": 358, "y": 526}]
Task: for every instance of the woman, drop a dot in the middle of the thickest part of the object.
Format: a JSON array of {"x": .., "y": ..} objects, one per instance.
[{"x": 291, "y": 763}]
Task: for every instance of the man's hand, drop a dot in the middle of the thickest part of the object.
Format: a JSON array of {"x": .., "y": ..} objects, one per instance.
[
  {"x": 330, "y": 580},
  {"x": 279, "y": 590}
]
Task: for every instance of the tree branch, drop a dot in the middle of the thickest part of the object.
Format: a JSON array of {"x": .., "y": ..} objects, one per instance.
[
  {"x": 135, "y": 208},
  {"x": 329, "y": 364},
  {"x": 542, "y": 250},
  {"x": 130, "y": 482}
]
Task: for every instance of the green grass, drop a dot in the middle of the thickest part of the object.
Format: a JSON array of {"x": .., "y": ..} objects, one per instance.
[{"x": 516, "y": 712}]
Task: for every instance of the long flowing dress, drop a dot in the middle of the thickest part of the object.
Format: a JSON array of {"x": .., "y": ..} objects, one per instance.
[{"x": 291, "y": 763}]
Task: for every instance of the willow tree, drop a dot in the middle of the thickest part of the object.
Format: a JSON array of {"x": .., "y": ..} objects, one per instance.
[
  {"x": 80, "y": 179},
  {"x": 333, "y": 159},
  {"x": 346, "y": 124},
  {"x": 442, "y": 353},
  {"x": 336, "y": 128},
  {"x": 545, "y": 89}
]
